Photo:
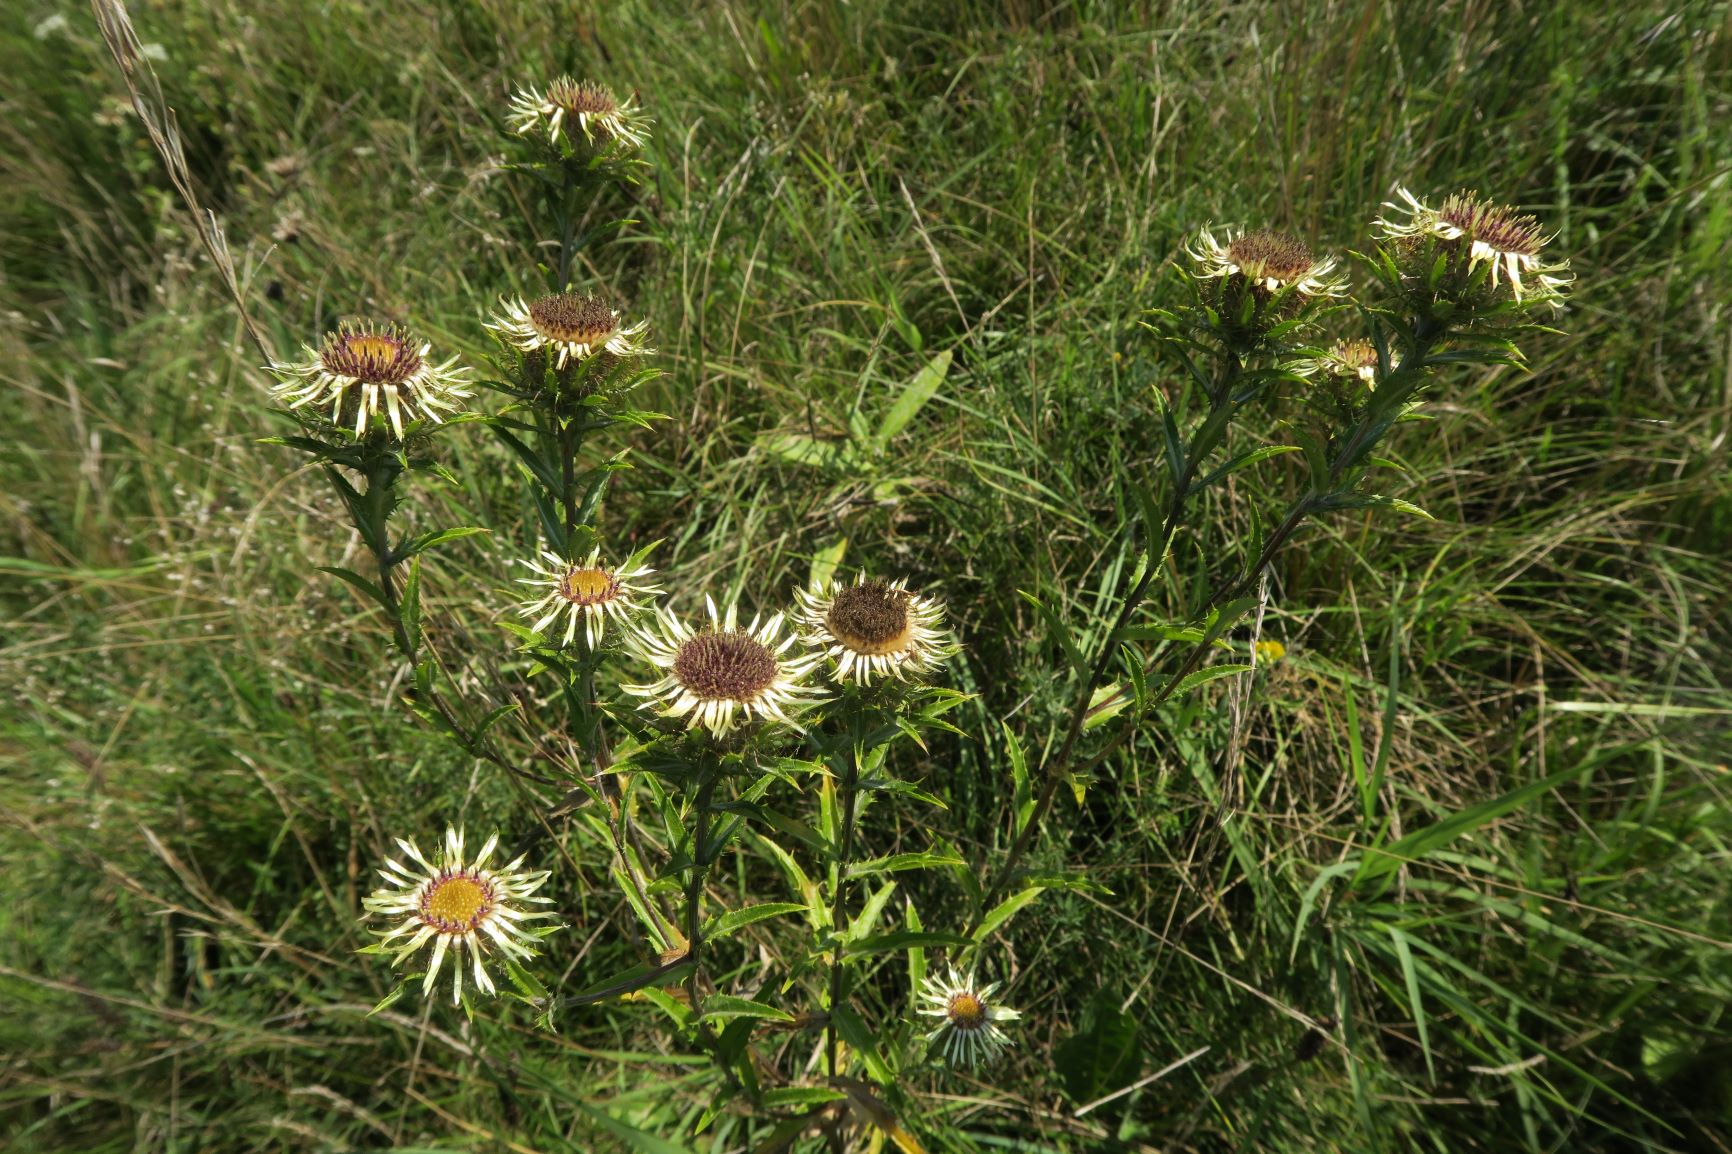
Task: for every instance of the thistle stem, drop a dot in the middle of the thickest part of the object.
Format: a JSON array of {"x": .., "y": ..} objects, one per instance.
[
  {"x": 695, "y": 886},
  {"x": 848, "y": 795}
]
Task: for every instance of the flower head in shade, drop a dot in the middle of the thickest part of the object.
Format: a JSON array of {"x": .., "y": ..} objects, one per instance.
[
  {"x": 363, "y": 371},
  {"x": 457, "y": 906},
  {"x": 717, "y": 675},
  {"x": 586, "y": 591},
  {"x": 968, "y": 1034},
  {"x": 873, "y": 628},
  {"x": 1270, "y": 260},
  {"x": 1350, "y": 360},
  {"x": 1509, "y": 243},
  {"x": 583, "y": 105},
  {"x": 569, "y": 326}
]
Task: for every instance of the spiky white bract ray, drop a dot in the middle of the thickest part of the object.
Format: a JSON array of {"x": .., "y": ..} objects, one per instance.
[{"x": 458, "y": 906}]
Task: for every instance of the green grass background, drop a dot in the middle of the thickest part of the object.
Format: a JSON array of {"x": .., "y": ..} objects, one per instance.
[{"x": 203, "y": 754}]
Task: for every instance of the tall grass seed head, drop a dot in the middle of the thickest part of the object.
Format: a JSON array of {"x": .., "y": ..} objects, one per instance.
[
  {"x": 572, "y": 111},
  {"x": 718, "y": 676},
  {"x": 1253, "y": 281},
  {"x": 458, "y": 906},
  {"x": 873, "y": 629},
  {"x": 1471, "y": 252},
  {"x": 365, "y": 372},
  {"x": 586, "y": 591},
  {"x": 968, "y": 1033}
]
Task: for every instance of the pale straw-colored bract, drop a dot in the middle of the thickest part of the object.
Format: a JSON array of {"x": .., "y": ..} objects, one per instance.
[
  {"x": 363, "y": 370},
  {"x": 457, "y": 906},
  {"x": 968, "y": 1034},
  {"x": 586, "y": 591},
  {"x": 873, "y": 629},
  {"x": 598, "y": 117},
  {"x": 570, "y": 326},
  {"x": 718, "y": 675},
  {"x": 1508, "y": 242},
  {"x": 1271, "y": 260}
]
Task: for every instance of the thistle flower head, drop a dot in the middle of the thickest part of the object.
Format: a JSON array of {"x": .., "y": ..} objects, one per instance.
[
  {"x": 873, "y": 628},
  {"x": 601, "y": 117},
  {"x": 364, "y": 370},
  {"x": 1356, "y": 360},
  {"x": 587, "y": 591},
  {"x": 968, "y": 1033},
  {"x": 572, "y": 326},
  {"x": 719, "y": 674},
  {"x": 1270, "y": 260},
  {"x": 457, "y": 906},
  {"x": 1508, "y": 242}
]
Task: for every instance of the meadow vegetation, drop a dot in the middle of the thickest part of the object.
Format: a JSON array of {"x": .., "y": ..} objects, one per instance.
[{"x": 204, "y": 745}]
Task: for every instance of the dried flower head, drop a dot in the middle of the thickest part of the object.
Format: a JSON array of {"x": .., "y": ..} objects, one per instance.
[
  {"x": 1350, "y": 360},
  {"x": 873, "y": 628},
  {"x": 572, "y": 326},
  {"x": 586, "y": 591},
  {"x": 598, "y": 114},
  {"x": 968, "y": 1035},
  {"x": 362, "y": 370},
  {"x": 719, "y": 670},
  {"x": 1496, "y": 235},
  {"x": 458, "y": 906},
  {"x": 1270, "y": 260}
]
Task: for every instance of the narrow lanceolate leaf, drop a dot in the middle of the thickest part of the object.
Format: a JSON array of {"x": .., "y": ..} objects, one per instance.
[
  {"x": 1204, "y": 676},
  {"x": 425, "y": 541},
  {"x": 736, "y": 920},
  {"x": 906, "y": 940},
  {"x": 920, "y": 390},
  {"x": 359, "y": 582},
  {"x": 931, "y": 859},
  {"x": 411, "y": 607},
  {"x": 718, "y": 1006},
  {"x": 1004, "y": 911}
]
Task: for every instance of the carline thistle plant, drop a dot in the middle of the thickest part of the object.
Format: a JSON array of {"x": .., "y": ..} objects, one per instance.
[{"x": 746, "y": 729}]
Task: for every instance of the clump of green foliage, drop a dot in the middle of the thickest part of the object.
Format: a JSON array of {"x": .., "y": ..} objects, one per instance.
[{"x": 1288, "y": 820}]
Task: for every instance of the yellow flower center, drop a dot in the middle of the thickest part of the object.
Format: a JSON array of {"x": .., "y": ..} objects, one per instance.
[
  {"x": 588, "y": 585},
  {"x": 966, "y": 1011},
  {"x": 458, "y": 903},
  {"x": 374, "y": 356}
]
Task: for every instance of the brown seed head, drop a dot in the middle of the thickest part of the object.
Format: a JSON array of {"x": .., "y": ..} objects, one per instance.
[
  {"x": 573, "y": 318},
  {"x": 725, "y": 664},
  {"x": 1268, "y": 254},
  {"x": 1497, "y": 226},
  {"x": 871, "y": 617},
  {"x": 581, "y": 96}
]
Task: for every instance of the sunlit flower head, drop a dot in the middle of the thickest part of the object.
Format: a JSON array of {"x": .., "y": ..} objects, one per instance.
[
  {"x": 1507, "y": 241},
  {"x": 570, "y": 326},
  {"x": 1270, "y": 260},
  {"x": 586, "y": 591},
  {"x": 458, "y": 906},
  {"x": 1356, "y": 360},
  {"x": 718, "y": 675},
  {"x": 364, "y": 370},
  {"x": 968, "y": 1034},
  {"x": 873, "y": 628},
  {"x": 594, "y": 111}
]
